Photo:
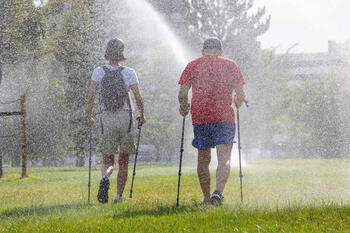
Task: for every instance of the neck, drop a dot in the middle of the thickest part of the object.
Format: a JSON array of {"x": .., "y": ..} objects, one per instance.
[
  {"x": 211, "y": 52},
  {"x": 114, "y": 64}
]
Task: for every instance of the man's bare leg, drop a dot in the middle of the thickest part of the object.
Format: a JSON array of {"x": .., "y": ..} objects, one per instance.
[
  {"x": 107, "y": 165},
  {"x": 224, "y": 167},
  {"x": 204, "y": 158},
  {"x": 122, "y": 172}
]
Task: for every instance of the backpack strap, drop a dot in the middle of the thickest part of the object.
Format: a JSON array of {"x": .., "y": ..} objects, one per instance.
[{"x": 129, "y": 104}]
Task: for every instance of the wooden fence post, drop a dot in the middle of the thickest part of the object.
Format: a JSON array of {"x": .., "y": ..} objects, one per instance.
[{"x": 24, "y": 136}]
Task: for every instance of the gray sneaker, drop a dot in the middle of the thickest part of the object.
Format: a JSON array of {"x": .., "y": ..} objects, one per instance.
[
  {"x": 206, "y": 201},
  {"x": 217, "y": 198},
  {"x": 118, "y": 199}
]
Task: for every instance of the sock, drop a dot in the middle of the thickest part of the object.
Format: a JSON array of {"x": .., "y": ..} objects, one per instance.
[
  {"x": 218, "y": 191},
  {"x": 118, "y": 197}
]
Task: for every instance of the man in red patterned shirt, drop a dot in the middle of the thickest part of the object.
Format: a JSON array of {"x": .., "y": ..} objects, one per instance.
[{"x": 212, "y": 79}]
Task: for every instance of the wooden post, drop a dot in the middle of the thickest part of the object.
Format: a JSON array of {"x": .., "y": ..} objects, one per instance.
[{"x": 24, "y": 136}]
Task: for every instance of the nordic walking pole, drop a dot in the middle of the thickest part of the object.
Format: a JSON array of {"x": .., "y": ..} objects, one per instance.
[
  {"x": 136, "y": 153},
  {"x": 181, "y": 151},
  {"x": 239, "y": 151},
  {"x": 89, "y": 184}
]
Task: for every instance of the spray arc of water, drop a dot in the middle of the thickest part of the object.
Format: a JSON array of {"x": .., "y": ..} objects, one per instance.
[{"x": 157, "y": 24}]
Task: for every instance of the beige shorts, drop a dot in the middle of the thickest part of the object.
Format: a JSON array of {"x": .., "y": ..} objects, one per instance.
[{"x": 115, "y": 138}]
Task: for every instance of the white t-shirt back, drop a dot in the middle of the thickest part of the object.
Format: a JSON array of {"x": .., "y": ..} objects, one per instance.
[{"x": 129, "y": 77}]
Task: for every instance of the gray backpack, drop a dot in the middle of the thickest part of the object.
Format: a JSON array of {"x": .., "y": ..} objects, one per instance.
[{"x": 113, "y": 91}]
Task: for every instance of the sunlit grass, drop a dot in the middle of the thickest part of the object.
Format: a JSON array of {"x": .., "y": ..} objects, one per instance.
[{"x": 279, "y": 196}]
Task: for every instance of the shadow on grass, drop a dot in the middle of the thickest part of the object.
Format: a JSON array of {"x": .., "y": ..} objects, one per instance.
[
  {"x": 124, "y": 212},
  {"x": 20, "y": 179},
  {"x": 39, "y": 210},
  {"x": 160, "y": 210}
]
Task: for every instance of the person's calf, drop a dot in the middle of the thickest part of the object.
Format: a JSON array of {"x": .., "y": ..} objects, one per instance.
[
  {"x": 109, "y": 171},
  {"x": 122, "y": 172},
  {"x": 224, "y": 165},
  {"x": 107, "y": 165},
  {"x": 203, "y": 171},
  {"x": 222, "y": 175}
]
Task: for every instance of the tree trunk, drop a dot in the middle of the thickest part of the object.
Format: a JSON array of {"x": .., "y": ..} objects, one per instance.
[
  {"x": 15, "y": 157},
  {"x": 80, "y": 160}
]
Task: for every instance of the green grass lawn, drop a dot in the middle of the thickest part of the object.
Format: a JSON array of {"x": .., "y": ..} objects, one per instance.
[{"x": 279, "y": 196}]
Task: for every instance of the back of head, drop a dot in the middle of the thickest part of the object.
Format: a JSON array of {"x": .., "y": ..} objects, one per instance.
[
  {"x": 212, "y": 44},
  {"x": 115, "y": 50}
]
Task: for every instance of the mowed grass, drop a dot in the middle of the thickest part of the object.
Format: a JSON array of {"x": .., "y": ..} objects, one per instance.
[{"x": 279, "y": 196}]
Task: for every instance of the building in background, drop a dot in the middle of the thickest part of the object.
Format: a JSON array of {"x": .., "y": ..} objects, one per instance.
[{"x": 317, "y": 65}]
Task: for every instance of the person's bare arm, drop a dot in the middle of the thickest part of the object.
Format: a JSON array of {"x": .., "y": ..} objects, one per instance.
[
  {"x": 139, "y": 102},
  {"x": 183, "y": 100},
  {"x": 91, "y": 99},
  {"x": 239, "y": 97}
]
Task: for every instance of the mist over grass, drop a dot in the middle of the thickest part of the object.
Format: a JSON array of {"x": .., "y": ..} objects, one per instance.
[{"x": 279, "y": 195}]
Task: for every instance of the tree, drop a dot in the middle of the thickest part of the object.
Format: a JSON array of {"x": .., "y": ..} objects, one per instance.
[
  {"x": 76, "y": 41},
  {"x": 163, "y": 127},
  {"x": 232, "y": 22},
  {"x": 20, "y": 32}
]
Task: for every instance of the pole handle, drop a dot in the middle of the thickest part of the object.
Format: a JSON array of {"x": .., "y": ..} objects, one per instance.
[{"x": 246, "y": 103}]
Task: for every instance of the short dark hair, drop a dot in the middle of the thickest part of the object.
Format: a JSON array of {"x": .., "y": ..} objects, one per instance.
[
  {"x": 212, "y": 43},
  {"x": 115, "y": 50}
]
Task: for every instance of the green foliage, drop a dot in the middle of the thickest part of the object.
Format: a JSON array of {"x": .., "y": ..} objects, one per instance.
[
  {"x": 163, "y": 127},
  {"x": 313, "y": 118},
  {"x": 74, "y": 41},
  {"x": 23, "y": 29},
  {"x": 265, "y": 94},
  {"x": 232, "y": 22}
]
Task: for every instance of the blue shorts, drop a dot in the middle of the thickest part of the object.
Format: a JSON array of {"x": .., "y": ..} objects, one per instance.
[{"x": 212, "y": 134}]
